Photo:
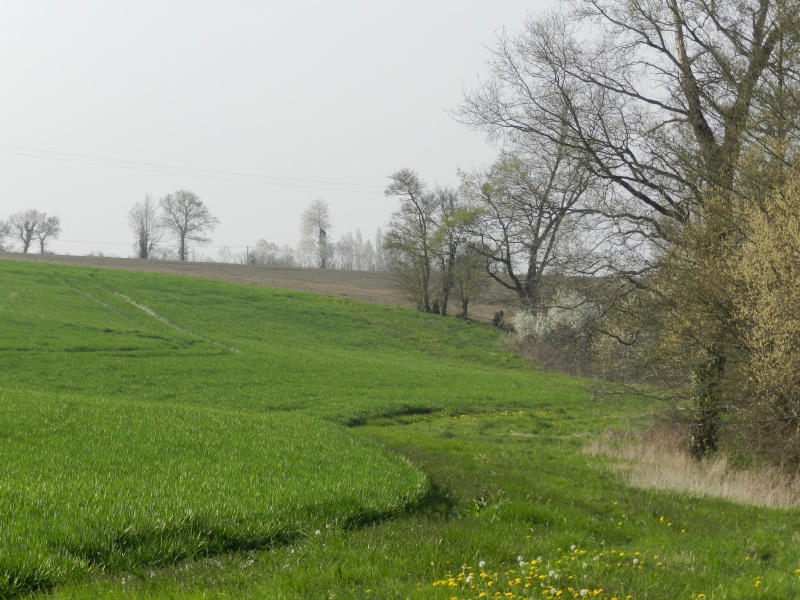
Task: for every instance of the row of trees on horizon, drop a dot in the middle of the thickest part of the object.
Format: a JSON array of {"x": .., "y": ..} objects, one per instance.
[{"x": 177, "y": 227}]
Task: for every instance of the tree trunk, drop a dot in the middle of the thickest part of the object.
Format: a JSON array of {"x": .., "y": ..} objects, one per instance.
[{"x": 707, "y": 407}]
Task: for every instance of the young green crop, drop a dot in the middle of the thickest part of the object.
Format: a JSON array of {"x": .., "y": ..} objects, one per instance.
[
  {"x": 165, "y": 339},
  {"x": 168, "y": 393},
  {"x": 92, "y": 484}
]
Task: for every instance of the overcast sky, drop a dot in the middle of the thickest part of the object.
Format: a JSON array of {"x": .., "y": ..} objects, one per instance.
[{"x": 270, "y": 104}]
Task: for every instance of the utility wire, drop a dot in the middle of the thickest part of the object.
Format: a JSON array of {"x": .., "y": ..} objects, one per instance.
[
  {"x": 132, "y": 243},
  {"x": 132, "y": 165}
]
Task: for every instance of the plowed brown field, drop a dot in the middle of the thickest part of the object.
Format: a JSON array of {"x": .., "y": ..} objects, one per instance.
[{"x": 368, "y": 286}]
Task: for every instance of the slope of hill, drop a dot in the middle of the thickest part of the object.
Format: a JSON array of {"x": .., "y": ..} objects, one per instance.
[
  {"x": 174, "y": 437},
  {"x": 367, "y": 286}
]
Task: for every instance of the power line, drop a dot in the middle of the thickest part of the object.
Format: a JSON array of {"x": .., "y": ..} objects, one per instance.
[
  {"x": 133, "y": 165},
  {"x": 132, "y": 243}
]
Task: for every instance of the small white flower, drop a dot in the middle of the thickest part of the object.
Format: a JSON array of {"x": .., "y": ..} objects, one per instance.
[
  {"x": 317, "y": 532},
  {"x": 573, "y": 547},
  {"x": 482, "y": 564},
  {"x": 522, "y": 563},
  {"x": 636, "y": 561},
  {"x": 519, "y": 558}
]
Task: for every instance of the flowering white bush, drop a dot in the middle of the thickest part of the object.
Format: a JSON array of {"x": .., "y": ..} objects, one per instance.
[{"x": 570, "y": 315}]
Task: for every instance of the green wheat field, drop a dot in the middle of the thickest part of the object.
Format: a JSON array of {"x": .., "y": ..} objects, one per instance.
[{"x": 170, "y": 437}]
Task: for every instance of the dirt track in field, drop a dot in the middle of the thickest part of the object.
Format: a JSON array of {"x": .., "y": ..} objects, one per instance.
[{"x": 367, "y": 286}]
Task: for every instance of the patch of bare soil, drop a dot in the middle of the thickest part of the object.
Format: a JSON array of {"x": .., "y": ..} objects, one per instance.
[{"x": 367, "y": 286}]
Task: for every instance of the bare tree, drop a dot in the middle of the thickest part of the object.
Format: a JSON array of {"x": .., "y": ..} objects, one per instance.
[
  {"x": 315, "y": 231},
  {"x": 425, "y": 238},
  {"x": 147, "y": 226},
  {"x": 664, "y": 100},
  {"x": 469, "y": 276},
  {"x": 270, "y": 254},
  {"x": 671, "y": 104},
  {"x": 5, "y": 231},
  {"x": 453, "y": 221},
  {"x": 27, "y": 225},
  {"x": 525, "y": 207},
  {"x": 410, "y": 238},
  {"x": 380, "y": 259},
  {"x": 48, "y": 227},
  {"x": 228, "y": 256},
  {"x": 185, "y": 215}
]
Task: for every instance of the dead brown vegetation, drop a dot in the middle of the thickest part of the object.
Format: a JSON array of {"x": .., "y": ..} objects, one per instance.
[{"x": 657, "y": 459}]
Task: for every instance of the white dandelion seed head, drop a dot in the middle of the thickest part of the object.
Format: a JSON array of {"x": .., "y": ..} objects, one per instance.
[
  {"x": 584, "y": 592},
  {"x": 573, "y": 547},
  {"x": 482, "y": 564}
]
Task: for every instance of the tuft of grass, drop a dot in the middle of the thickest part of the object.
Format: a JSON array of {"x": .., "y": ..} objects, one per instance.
[{"x": 658, "y": 460}]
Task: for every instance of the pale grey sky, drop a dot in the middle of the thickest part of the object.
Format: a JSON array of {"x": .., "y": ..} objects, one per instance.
[{"x": 307, "y": 91}]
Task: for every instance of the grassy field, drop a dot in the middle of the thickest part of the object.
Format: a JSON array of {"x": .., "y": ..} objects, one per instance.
[{"x": 172, "y": 437}]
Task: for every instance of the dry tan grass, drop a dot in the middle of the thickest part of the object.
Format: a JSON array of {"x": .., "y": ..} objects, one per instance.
[{"x": 657, "y": 460}]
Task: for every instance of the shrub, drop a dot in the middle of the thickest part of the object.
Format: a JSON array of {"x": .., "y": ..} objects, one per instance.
[{"x": 559, "y": 335}]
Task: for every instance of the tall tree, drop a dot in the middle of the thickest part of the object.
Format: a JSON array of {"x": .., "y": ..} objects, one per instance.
[
  {"x": 185, "y": 215},
  {"x": 671, "y": 104},
  {"x": 315, "y": 231},
  {"x": 380, "y": 251},
  {"x": 147, "y": 226},
  {"x": 409, "y": 240},
  {"x": 270, "y": 254},
  {"x": 453, "y": 221},
  {"x": 5, "y": 231},
  {"x": 662, "y": 100},
  {"x": 525, "y": 207},
  {"x": 24, "y": 226},
  {"x": 48, "y": 227}
]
